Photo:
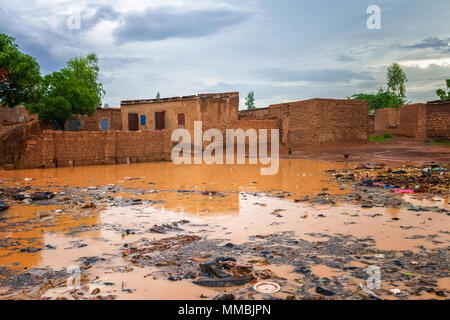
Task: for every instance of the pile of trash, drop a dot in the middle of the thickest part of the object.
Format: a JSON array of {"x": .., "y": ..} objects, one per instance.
[
  {"x": 406, "y": 180},
  {"x": 3, "y": 206}
]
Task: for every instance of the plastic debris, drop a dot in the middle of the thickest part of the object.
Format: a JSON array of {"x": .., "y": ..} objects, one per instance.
[
  {"x": 267, "y": 287},
  {"x": 395, "y": 291}
]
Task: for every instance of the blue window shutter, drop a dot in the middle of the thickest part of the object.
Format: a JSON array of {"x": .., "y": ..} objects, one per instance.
[
  {"x": 104, "y": 124},
  {"x": 143, "y": 120}
]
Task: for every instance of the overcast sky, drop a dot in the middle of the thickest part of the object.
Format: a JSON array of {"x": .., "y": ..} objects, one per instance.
[{"x": 283, "y": 50}]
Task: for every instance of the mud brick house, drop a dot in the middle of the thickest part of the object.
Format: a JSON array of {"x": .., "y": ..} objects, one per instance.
[
  {"x": 317, "y": 121},
  {"x": 16, "y": 115},
  {"x": 419, "y": 121},
  {"x": 408, "y": 120},
  {"x": 214, "y": 110},
  {"x": 103, "y": 119}
]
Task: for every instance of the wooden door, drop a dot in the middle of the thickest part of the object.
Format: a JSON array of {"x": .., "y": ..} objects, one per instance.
[
  {"x": 160, "y": 120},
  {"x": 133, "y": 123}
]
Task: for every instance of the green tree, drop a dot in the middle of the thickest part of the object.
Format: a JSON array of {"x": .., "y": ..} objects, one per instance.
[
  {"x": 250, "y": 101},
  {"x": 393, "y": 97},
  {"x": 380, "y": 99},
  {"x": 442, "y": 94},
  {"x": 73, "y": 90},
  {"x": 158, "y": 96},
  {"x": 396, "y": 80},
  {"x": 20, "y": 74}
]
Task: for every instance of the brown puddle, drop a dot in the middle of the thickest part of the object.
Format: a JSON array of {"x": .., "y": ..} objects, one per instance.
[{"x": 233, "y": 218}]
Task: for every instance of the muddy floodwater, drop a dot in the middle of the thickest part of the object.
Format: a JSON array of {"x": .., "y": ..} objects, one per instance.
[{"x": 146, "y": 231}]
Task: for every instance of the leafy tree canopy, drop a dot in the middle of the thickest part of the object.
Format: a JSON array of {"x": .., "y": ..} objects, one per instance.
[
  {"x": 250, "y": 101},
  {"x": 20, "y": 74},
  {"x": 73, "y": 90},
  {"x": 380, "y": 99},
  {"x": 442, "y": 94},
  {"x": 393, "y": 97}
]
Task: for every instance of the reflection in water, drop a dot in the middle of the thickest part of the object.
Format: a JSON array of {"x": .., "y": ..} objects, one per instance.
[{"x": 297, "y": 176}]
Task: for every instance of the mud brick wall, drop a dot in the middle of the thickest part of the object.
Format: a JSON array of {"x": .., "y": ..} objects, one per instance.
[
  {"x": 438, "y": 121},
  {"x": 254, "y": 124},
  {"x": 278, "y": 112},
  {"x": 13, "y": 140},
  {"x": 62, "y": 149},
  {"x": 143, "y": 146},
  {"x": 219, "y": 109},
  {"x": 16, "y": 115},
  {"x": 257, "y": 114},
  {"x": 386, "y": 119},
  {"x": 371, "y": 124},
  {"x": 322, "y": 121},
  {"x": 412, "y": 121},
  {"x": 316, "y": 121},
  {"x": 113, "y": 115},
  {"x": 408, "y": 120}
]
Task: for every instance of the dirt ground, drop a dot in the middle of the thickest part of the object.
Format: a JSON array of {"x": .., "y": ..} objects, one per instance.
[
  {"x": 397, "y": 150},
  {"x": 316, "y": 230}
]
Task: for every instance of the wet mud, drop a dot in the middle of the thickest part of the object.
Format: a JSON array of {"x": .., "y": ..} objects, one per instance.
[{"x": 160, "y": 231}]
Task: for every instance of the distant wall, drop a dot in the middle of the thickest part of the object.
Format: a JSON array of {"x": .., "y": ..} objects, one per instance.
[
  {"x": 62, "y": 149},
  {"x": 256, "y": 114},
  {"x": 386, "y": 119},
  {"x": 16, "y": 115},
  {"x": 316, "y": 121},
  {"x": 113, "y": 115},
  {"x": 319, "y": 121},
  {"x": 409, "y": 120},
  {"x": 217, "y": 110},
  {"x": 438, "y": 120}
]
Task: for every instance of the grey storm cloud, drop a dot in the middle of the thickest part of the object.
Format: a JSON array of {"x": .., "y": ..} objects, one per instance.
[
  {"x": 315, "y": 76},
  {"x": 34, "y": 39},
  {"x": 432, "y": 42},
  {"x": 104, "y": 13},
  {"x": 166, "y": 22}
]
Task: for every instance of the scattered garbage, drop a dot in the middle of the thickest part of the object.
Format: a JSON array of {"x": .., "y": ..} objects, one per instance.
[
  {"x": 39, "y": 196},
  {"x": 408, "y": 180},
  {"x": 267, "y": 287},
  {"x": 165, "y": 228},
  {"x": 3, "y": 206},
  {"x": 395, "y": 291},
  {"x": 404, "y": 191},
  {"x": 222, "y": 283},
  {"x": 324, "y": 291},
  {"x": 369, "y": 292}
]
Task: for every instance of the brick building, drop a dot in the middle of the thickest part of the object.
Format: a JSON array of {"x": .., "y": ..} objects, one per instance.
[
  {"x": 214, "y": 110},
  {"x": 16, "y": 115},
  {"x": 438, "y": 120},
  {"x": 317, "y": 121},
  {"x": 103, "y": 119},
  {"x": 420, "y": 121}
]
